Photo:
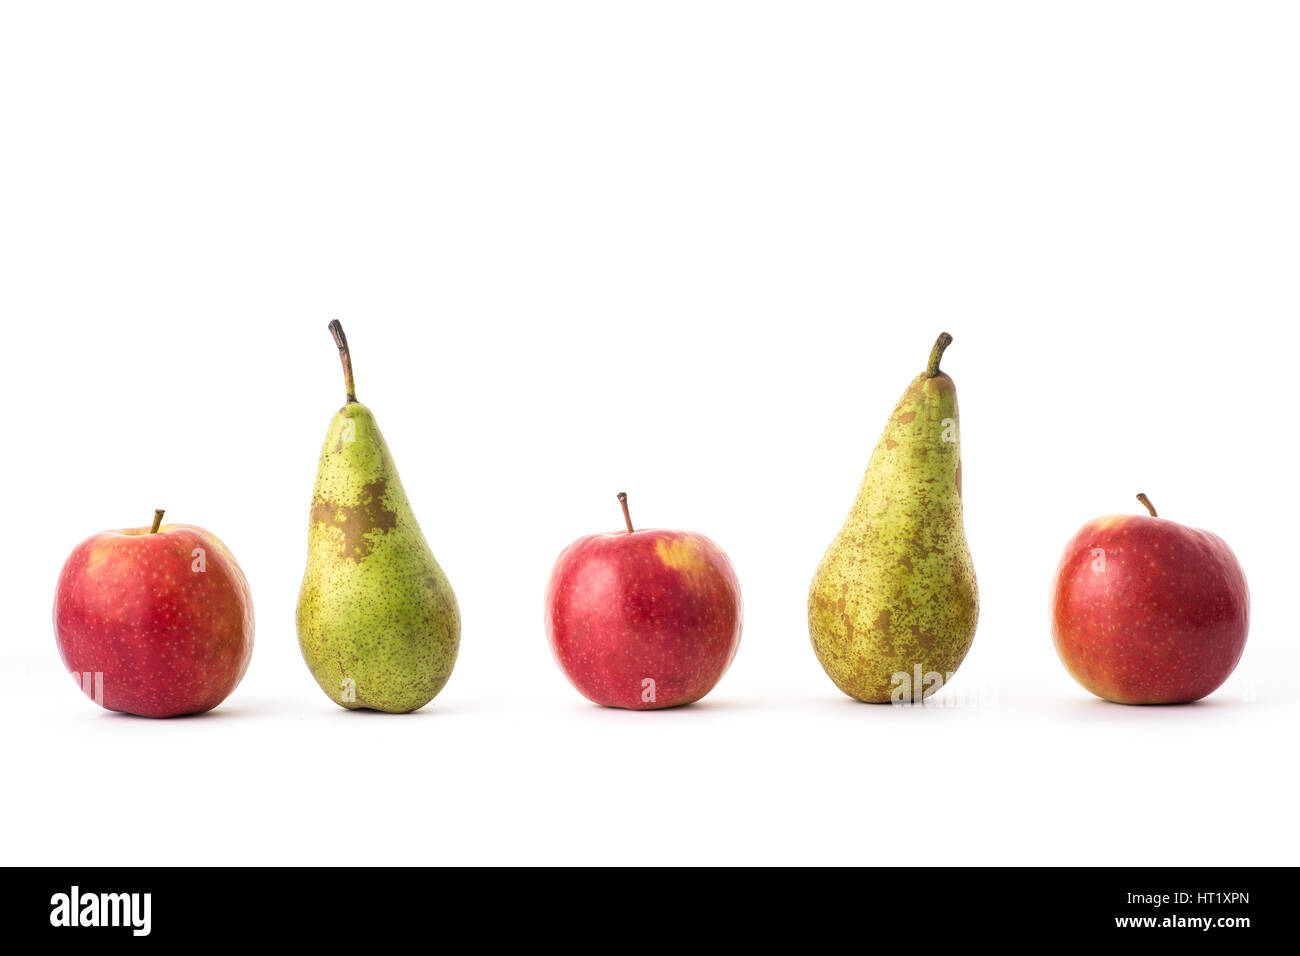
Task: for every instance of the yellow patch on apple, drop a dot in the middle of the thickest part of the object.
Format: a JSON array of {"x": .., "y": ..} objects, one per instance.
[{"x": 679, "y": 555}]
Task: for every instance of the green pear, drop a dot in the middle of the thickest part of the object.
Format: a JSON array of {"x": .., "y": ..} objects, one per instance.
[
  {"x": 893, "y": 605},
  {"x": 378, "y": 623}
]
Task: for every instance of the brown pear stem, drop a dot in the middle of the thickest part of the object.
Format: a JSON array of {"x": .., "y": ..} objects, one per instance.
[
  {"x": 341, "y": 340},
  {"x": 157, "y": 520},
  {"x": 622, "y": 499},
  {"x": 1147, "y": 501},
  {"x": 942, "y": 342}
]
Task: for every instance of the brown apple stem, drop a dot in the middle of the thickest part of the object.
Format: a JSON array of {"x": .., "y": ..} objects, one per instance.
[
  {"x": 1147, "y": 501},
  {"x": 942, "y": 342},
  {"x": 622, "y": 499},
  {"x": 341, "y": 340},
  {"x": 157, "y": 520}
]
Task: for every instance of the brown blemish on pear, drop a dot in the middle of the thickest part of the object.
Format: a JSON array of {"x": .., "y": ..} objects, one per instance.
[{"x": 357, "y": 522}]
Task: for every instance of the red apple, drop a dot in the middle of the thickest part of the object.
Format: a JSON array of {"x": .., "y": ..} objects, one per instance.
[
  {"x": 154, "y": 621},
  {"x": 1148, "y": 611},
  {"x": 643, "y": 619}
]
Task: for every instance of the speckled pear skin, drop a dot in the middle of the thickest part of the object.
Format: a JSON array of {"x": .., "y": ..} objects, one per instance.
[
  {"x": 375, "y": 608},
  {"x": 896, "y": 589}
]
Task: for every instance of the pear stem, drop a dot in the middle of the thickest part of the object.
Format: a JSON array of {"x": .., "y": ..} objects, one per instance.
[
  {"x": 622, "y": 499},
  {"x": 341, "y": 340},
  {"x": 942, "y": 342},
  {"x": 157, "y": 520},
  {"x": 1147, "y": 501}
]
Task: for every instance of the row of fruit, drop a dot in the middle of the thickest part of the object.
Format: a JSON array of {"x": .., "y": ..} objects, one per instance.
[{"x": 158, "y": 621}]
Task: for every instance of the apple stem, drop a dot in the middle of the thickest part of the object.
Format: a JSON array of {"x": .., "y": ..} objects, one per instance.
[
  {"x": 157, "y": 520},
  {"x": 942, "y": 342},
  {"x": 1147, "y": 501},
  {"x": 622, "y": 499},
  {"x": 341, "y": 340}
]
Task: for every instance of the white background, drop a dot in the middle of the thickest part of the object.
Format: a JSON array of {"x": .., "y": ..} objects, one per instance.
[{"x": 690, "y": 250}]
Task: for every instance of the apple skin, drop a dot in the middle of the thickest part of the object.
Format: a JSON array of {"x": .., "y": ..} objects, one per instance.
[
  {"x": 649, "y": 604},
  {"x": 168, "y": 638},
  {"x": 1160, "y": 618}
]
